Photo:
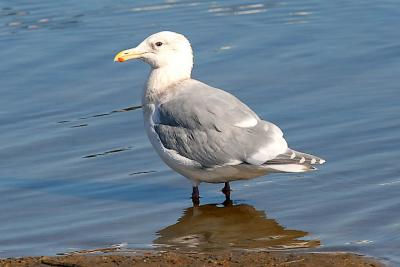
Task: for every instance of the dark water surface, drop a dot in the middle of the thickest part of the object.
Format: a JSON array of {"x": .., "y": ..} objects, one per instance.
[{"x": 77, "y": 171}]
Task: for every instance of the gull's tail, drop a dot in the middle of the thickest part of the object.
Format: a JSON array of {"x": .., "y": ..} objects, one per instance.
[{"x": 294, "y": 161}]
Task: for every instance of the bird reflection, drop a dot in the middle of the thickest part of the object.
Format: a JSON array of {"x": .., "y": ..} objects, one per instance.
[{"x": 212, "y": 226}]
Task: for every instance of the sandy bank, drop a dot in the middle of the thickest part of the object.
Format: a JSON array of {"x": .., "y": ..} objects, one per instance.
[{"x": 232, "y": 258}]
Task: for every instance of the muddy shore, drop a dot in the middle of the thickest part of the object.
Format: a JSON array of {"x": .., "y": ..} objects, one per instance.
[{"x": 231, "y": 258}]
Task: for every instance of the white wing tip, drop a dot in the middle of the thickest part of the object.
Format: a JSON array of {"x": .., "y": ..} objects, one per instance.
[{"x": 247, "y": 123}]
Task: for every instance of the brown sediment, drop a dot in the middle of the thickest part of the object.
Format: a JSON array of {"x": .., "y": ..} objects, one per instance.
[{"x": 231, "y": 258}]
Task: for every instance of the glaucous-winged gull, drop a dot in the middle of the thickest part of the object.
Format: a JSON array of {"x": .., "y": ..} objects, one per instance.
[{"x": 201, "y": 132}]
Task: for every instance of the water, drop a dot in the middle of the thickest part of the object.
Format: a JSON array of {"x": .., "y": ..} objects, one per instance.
[{"x": 77, "y": 171}]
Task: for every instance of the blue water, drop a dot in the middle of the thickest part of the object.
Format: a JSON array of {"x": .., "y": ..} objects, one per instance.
[{"x": 77, "y": 171}]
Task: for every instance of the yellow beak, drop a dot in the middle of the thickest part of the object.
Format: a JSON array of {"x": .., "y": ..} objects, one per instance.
[{"x": 128, "y": 54}]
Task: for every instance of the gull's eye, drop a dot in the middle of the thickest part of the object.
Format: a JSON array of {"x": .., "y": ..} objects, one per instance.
[{"x": 159, "y": 44}]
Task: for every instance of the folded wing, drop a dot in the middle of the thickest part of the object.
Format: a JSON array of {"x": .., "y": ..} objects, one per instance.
[{"x": 214, "y": 128}]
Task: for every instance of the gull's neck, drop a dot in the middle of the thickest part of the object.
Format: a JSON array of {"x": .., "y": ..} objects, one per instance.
[{"x": 163, "y": 78}]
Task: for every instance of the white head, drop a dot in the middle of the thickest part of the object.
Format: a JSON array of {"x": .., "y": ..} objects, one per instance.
[{"x": 162, "y": 50}]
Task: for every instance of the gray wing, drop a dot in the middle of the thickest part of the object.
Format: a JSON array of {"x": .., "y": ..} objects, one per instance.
[{"x": 214, "y": 128}]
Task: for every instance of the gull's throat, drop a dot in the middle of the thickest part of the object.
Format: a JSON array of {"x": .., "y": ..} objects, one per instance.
[{"x": 161, "y": 79}]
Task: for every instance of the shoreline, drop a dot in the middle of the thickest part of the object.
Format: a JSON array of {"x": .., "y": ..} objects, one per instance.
[{"x": 182, "y": 258}]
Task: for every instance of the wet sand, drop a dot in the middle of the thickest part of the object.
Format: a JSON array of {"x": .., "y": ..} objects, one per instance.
[{"x": 231, "y": 258}]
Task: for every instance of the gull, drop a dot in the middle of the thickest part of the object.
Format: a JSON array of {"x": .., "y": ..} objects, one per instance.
[{"x": 204, "y": 133}]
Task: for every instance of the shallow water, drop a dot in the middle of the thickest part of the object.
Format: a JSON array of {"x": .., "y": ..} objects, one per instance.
[{"x": 77, "y": 171}]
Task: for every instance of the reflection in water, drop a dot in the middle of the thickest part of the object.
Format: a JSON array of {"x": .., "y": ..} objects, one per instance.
[
  {"x": 108, "y": 152},
  {"x": 112, "y": 112},
  {"x": 238, "y": 9},
  {"x": 213, "y": 226},
  {"x": 103, "y": 114},
  {"x": 18, "y": 20},
  {"x": 79, "y": 125},
  {"x": 141, "y": 172}
]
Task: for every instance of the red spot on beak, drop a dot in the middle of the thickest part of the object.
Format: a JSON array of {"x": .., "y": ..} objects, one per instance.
[{"x": 120, "y": 59}]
